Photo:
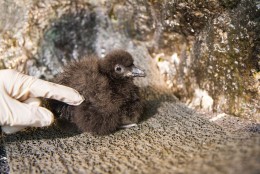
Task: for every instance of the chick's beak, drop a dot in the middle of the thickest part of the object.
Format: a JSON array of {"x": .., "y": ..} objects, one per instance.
[{"x": 137, "y": 72}]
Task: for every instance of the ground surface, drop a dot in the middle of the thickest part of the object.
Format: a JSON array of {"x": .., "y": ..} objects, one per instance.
[{"x": 171, "y": 139}]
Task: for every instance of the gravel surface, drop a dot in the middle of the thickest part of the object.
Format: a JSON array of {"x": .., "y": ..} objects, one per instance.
[
  {"x": 171, "y": 139},
  {"x": 4, "y": 168}
]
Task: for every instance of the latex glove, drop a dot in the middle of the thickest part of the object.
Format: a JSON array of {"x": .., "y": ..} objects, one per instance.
[{"x": 19, "y": 105}]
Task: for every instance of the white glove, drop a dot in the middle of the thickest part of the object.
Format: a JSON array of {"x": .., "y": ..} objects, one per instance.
[{"x": 19, "y": 105}]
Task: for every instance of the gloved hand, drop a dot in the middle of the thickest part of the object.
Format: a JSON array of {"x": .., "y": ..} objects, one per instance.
[{"x": 19, "y": 105}]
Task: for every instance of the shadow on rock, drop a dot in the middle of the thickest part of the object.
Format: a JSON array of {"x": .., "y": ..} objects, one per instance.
[
  {"x": 255, "y": 128},
  {"x": 52, "y": 132},
  {"x": 153, "y": 98}
]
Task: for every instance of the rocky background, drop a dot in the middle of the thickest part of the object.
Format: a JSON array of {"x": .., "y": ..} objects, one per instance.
[{"x": 207, "y": 53}]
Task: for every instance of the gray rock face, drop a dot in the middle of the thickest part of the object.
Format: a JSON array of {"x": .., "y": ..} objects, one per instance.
[
  {"x": 205, "y": 53},
  {"x": 227, "y": 60}
]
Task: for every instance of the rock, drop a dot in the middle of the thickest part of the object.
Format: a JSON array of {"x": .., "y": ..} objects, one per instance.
[
  {"x": 174, "y": 140},
  {"x": 226, "y": 57},
  {"x": 4, "y": 168}
]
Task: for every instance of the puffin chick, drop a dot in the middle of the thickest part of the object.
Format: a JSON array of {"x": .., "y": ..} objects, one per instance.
[{"x": 112, "y": 100}]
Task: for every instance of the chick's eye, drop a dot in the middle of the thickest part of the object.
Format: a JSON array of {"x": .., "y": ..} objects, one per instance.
[{"x": 118, "y": 69}]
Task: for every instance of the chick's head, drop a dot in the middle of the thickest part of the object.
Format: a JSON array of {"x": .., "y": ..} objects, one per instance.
[{"x": 119, "y": 64}]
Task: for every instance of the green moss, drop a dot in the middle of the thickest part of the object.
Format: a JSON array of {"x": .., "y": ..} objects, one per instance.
[
  {"x": 229, "y": 3},
  {"x": 112, "y": 15}
]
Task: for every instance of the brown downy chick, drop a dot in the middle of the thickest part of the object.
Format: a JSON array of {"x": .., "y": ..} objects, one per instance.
[{"x": 111, "y": 98}]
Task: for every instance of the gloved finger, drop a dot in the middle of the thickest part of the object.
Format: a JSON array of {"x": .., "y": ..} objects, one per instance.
[
  {"x": 12, "y": 129},
  {"x": 33, "y": 101},
  {"x": 24, "y": 86},
  {"x": 15, "y": 113}
]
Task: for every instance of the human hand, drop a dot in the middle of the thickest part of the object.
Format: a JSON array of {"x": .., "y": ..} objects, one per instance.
[{"x": 19, "y": 103}]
